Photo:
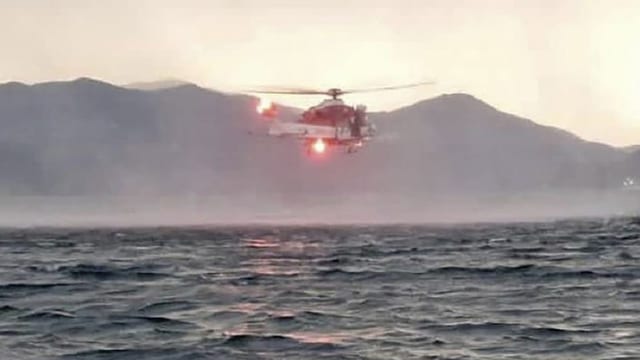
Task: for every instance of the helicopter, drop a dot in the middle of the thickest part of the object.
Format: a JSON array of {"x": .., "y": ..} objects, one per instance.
[{"x": 331, "y": 123}]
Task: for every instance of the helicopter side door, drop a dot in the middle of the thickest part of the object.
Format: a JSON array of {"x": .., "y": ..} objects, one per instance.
[{"x": 343, "y": 131}]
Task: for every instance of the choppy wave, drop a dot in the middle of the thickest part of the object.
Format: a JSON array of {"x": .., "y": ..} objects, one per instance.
[{"x": 564, "y": 290}]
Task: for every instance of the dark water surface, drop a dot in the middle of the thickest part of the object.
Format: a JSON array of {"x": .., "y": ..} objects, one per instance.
[{"x": 563, "y": 290}]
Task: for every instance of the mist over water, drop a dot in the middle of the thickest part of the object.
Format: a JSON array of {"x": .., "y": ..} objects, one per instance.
[{"x": 310, "y": 209}]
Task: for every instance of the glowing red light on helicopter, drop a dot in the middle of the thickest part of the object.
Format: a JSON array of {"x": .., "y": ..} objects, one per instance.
[
  {"x": 264, "y": 105},
  {"x": 319, "y": 146},
  {"x": 266, "y": 108}
]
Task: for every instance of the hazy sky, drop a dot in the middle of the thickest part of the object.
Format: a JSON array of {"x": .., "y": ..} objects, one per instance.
[{"x": 572, "y": 64}]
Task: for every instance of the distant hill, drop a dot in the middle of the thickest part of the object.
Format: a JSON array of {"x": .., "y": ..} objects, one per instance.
[
  {"x": 632, "y": 148},
  {"x": 89, "y": 137},
  {"x": 468, "y": 145},
  {"x": 156, "y": 85}
]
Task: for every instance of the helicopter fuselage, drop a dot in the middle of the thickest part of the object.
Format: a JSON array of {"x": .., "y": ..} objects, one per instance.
[
  {"x": 330, "y": 112},
  {"x": 330, "y": 123},
  {"x": 337, "y": 124}
]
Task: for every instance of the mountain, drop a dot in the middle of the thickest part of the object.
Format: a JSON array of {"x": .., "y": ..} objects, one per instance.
[
  {"x": 156, "y": 85},
  {"x": 91, "y": 138},
  {"x": 473, "y": 146},
  {"x": 632, "y": 148}
]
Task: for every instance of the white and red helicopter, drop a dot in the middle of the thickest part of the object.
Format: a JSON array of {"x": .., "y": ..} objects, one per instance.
[{"x": 328, "y": 124}]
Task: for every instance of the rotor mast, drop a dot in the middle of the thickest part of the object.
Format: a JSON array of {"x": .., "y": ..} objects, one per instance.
[{"x": 334, "y": 93}]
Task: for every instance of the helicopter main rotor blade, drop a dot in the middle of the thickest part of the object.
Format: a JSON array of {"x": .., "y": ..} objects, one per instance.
[
  {"x": 351, "y": 91},
  {"x": 334, "y": 92},
  {"x": 288, "y": 92}
]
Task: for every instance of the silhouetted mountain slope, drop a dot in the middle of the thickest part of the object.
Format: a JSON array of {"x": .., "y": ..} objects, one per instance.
[
  {"x": 632, "y": 148},
  {"x": 90, "y": 137},
  {"x": 472, "y": 145},
  {"x": 156, "y": 85}
]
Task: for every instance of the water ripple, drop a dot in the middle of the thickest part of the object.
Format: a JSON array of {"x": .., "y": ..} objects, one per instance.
[{"x": 561, "y": 290}]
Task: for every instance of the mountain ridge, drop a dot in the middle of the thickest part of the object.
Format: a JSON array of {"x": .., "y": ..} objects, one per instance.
[
  {"x": 172, "y": 84},
  {"x": 86, "y": 136}
]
